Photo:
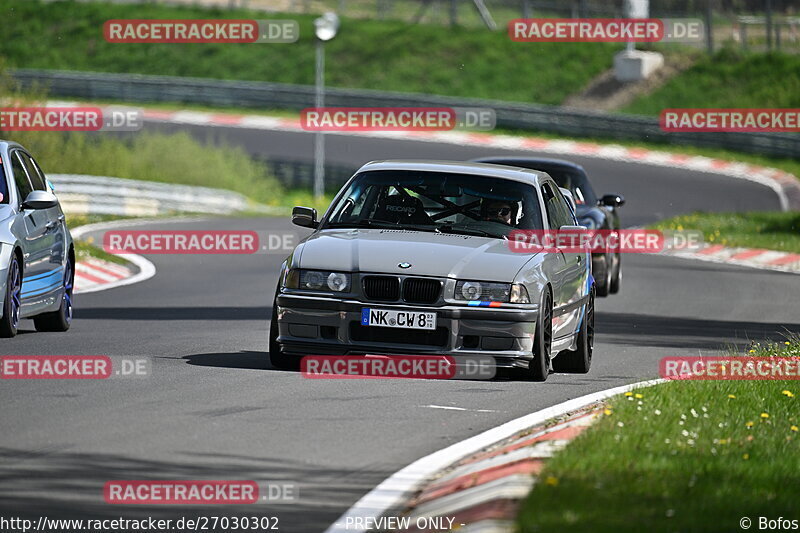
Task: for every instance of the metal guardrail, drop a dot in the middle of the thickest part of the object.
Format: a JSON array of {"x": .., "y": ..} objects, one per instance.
[
  {"x": 531, "y": 117},
  {"x": 103, "y": 195}
]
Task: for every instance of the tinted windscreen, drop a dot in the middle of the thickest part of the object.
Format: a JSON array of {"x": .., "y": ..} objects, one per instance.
[
  {"x": 577, "y": 183},
  {"x": 437, "y": 201},
  {"x": 3, "y": 186}
]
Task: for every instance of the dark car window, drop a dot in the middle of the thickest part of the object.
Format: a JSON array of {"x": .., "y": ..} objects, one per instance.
[
  {"x": 20, "y": 178},
  {"x": 37, "y": 179},
  {"x": 3, "y": 185},
  {"x": 558, "y": 212},
  {"x": 438, "y": 202}
]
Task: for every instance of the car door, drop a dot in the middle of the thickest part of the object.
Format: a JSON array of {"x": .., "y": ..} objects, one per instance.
[
  {"x": 40, "y": 275},
  {"x": 565, "y": 315},
  {"x": 56, "y": 227}
]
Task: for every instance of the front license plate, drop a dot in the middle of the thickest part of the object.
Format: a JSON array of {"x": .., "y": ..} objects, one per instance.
[{"x": 397, "y": 319}]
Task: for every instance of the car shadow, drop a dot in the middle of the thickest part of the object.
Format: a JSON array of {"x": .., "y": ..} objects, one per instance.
[
  {"x": 687, "y": 333},
  {"x": 61, "y": 483},
  {"x": 174, "y": 313}
]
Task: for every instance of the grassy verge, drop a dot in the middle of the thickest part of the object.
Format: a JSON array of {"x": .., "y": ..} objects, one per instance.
[
  {"x": 175, "y": 158},
  {"x": 729, "y": 79},
  {"x": 771, "y": 231},
  {"x": 683, "y": 456},
  {"x": 383, "y": 55},
  {"x": 85, "y": 249}
]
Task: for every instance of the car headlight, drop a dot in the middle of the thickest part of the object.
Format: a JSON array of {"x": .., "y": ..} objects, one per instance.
[
  {"x": 317, "y": 280},
  {"x": 480, "y": 291}
]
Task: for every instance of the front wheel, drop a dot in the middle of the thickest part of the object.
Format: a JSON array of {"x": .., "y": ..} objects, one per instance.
[
  {"x": 277, "y": 358},
  {"x": 12, "y": 301},
  {"x": 59, "y": 320},
  {"x": 579, "y": 361},
  {"x": 539, "y": 367}
]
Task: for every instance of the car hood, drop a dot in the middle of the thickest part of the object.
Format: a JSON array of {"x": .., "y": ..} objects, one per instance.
[{"x": 430, "y": 254}]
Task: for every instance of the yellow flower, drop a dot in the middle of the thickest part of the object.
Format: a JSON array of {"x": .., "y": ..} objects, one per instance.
[
  {"x": 788, "y": 393},
  {"x": 628, "y": 393},
  {"x": 749, "y": 424},
  {"x": 552, "y": 481},
  {"x": 638, "y": 396},
  {"x": 752, "y": 351},
  {"x": 746, "y": 456},
  {"x": 787, "y": 343},
  {"x": 731, "y": 396},
  {"x": 793, "y": 428},
  {"x": 764, "y": 415},
  {"x": 607, "y": 412}
]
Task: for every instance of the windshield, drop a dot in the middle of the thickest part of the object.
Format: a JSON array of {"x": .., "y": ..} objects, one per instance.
[
  {"x": 437, "y": 201},
  {"x": 577, "y": 183}
]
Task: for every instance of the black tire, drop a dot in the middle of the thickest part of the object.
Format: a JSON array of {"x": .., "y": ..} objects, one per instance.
[
  {"x": 603, "y": 286},
  {"x": 579, "y": 361},
  {"x": 539, "y": 367},
  {"x": 616, "y": 280},
  {"x": 12, "y": 300},
  {"x": 61, "y": 320},
  {"x": 277, "y": 358}
]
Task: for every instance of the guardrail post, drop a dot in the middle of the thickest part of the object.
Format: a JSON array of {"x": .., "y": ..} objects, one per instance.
[
  {"x": 769, "y": 24},
  {"x": 743, "y": 34}
]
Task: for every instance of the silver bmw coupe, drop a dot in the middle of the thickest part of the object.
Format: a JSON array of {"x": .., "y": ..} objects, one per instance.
[{"x": 415, "y": 257}]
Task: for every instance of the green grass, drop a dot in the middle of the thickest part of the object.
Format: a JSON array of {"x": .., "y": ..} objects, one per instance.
[
  {"x": 729, "y": 79},
  {"x": 383, "y": 55},
  {"x": 170, "y": 158},
  {"x": 686, "y": 456},
  {"x": 771, "y": 231}
]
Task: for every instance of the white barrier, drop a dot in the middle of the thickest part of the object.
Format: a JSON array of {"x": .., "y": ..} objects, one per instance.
[{"x": 103, "y": 195}]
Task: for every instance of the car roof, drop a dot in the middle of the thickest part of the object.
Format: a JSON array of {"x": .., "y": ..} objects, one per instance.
[
  {"x": 4, "y": 145},
  {"x": 522, "y": 175},
  {"x": 544, "y": 161}
]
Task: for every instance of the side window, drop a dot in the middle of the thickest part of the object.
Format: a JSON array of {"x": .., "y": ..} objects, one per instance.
[
  {"x": 557, "y": 210},
  {"x": 37, "y": 180},
  {"x": 4, "y": 196},
  {"x": 20, "y": 177}
]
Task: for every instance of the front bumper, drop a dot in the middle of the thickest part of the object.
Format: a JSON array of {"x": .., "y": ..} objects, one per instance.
[{"x": 312, "y": 325}]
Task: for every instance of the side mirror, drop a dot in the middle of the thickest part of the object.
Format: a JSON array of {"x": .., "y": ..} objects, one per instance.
[
  {"x": 40, "y": 200},
  {"x": 305, "y": 217},
  {"x": 612, "y": 200}
]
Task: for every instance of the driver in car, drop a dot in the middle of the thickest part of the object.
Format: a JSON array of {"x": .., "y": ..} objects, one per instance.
[{"x": 498, "y": 211}]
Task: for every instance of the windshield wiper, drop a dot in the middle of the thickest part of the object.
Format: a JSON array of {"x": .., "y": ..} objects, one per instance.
[
  {"x": 467, "y": 231},
  {"x": 380, "y": 224}
]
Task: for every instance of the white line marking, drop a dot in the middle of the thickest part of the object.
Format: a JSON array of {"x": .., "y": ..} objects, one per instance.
[
  {"x": 393, "y": 490},
  {"x": 450, "y": 408}
]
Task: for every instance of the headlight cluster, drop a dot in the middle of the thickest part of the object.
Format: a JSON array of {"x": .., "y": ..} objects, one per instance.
[
  {"x": 479, "y": 291},
  {"x": 317, "y": 280}
]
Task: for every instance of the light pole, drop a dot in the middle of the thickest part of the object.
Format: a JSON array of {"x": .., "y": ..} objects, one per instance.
[{"x": 325, "y": 27}]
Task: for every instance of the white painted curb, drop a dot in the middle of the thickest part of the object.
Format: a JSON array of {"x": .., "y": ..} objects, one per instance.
[
  {"x": 391, "y": 492},
  {"x": 146, "y": 269}
]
